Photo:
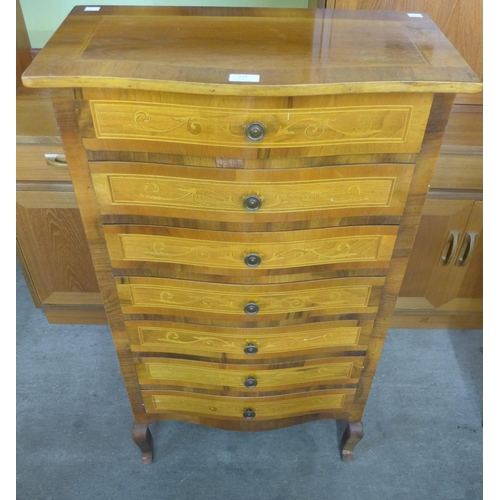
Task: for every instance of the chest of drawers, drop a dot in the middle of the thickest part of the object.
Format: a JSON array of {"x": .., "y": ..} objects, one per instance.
[{"x": 250, "y": 182}]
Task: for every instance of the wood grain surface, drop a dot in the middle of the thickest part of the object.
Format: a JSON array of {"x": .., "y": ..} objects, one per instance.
[
  {"x": 337, "y": 52},
  {"x": 50, "y": 233},
  {"x": 31, "y": 164},
  {"x": 218, "y": 194},
  {"x": 231, "y": 407},
  {"x": 229, "y": 252},
  {"x": 211, "y": 301},
  {"x": 386, "y": 123},
  {"x": 229, "y": 343},
  {"x": 171, "y": 372},
  {"x": 461, "y": 21}
]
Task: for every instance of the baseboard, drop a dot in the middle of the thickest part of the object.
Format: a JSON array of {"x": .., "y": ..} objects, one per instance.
[
  {"x": 416, "y": 320},
  {"x": 76, "y": 315}
]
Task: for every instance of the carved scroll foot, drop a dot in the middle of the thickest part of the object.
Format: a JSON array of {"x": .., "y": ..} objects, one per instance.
[
  {"x": 143, "y": 439},
  {"x": 352, "y": 436}
]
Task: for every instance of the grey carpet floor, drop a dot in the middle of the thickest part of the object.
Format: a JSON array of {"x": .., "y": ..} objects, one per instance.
[{"x": 423, "y": 429}]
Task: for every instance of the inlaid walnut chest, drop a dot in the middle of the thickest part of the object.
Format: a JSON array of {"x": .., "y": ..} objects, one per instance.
[{"x": 250, "y": 182}]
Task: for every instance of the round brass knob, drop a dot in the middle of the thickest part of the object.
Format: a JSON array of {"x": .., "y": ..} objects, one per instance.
[
  {"x": 252, "y": 203},
  {"x": 252, "y": 260},
  {"x": 251, "y": 308},
  {"x": 250, "y": 383},
  {"x": 255, "y": 131},
  {"x": 250, "y": 349},
  {"x": 249, "y": 413}
]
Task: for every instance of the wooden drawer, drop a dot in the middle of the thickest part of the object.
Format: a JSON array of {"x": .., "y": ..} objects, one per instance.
[
  {"x": 248, "y": 378},
  {"x": 320, "y": 125},
  {"x": 210, "y": 301},
  {"x": 249, "y": 254},
  {"x": 246, "y": 344},
  {"x": 213, "y": 194},
  {"x": 33, "y": 165},
  {"x": 268, "y": 407}
]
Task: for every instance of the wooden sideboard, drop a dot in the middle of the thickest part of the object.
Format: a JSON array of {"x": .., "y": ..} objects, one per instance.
[
  {"x": 51, "y": 245},
  {"x": 250, "y": 203}
]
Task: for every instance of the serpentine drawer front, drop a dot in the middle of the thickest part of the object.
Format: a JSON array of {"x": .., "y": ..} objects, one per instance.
[
  {"x": 250, "y": 303},
  {"x": 341, "y": 124},
  {"x": 241, "y": 409},
  {"x": 250, "y": 254},
  {"x": 308, "y": 340},
  {"x": 249, "y": 195},
  {"x": 250, "y": 200},
  {"x": 254, "y": 378}
]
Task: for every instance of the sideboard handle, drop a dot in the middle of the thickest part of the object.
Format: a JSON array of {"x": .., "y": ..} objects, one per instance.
[
  {"x": 467, "y": 248},
  {"x": 450, "y": 248},
  {"x": 56, "y": 160}
]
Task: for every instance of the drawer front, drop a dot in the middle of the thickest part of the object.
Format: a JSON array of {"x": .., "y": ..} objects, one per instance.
[
  {"x": 45, "y": 162},
  {"x": 251, "y": 196},
  {"x": 247, "y": 344},
  {"x": 218, "y": 251},
  {"x": 249, "y": 302},
  {"x": 159, "y": 371},
  {"x": 234, "y": 407},
  {"x": 367, "y": 124}
]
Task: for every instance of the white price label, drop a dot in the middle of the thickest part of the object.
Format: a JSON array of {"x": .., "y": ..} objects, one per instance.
[
  {"x": 235, "y": 77},
  {"x": 92, "y": 9},
  {"x": 415, "y": 15}
]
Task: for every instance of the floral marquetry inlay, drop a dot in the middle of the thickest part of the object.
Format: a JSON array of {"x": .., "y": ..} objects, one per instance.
[
  {"x": 230, "y": 255},
  {"x": 171, "y": 371},
  {"x": 223, "y": 196},
  {"x": 374, "y": 123},
  {"x": 234, "y": 407},
  {"x": 233, "y": 301},
  {"x": 191, "y": 340}
]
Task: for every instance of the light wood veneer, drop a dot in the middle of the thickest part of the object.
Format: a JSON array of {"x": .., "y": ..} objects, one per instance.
[{"x": 156, "y": 137}]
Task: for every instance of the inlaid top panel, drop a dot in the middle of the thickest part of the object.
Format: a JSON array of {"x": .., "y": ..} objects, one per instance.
[{"x": 271, "y": 52}]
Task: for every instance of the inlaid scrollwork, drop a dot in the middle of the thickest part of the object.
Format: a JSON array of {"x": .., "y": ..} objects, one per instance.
[
  {"x": 142, "y": 118},
  {"x": 169, "y": 252},
  {"x": 226, "y": 406},
  {"x": 186, "y": 374},
  {"x": 218, "y": 301},
  {"x": 235, "y": 343},
  {"x": 223, "y": 196},
  {"x": 363, "y": 248},
  {"x": 225, "y": 126}
]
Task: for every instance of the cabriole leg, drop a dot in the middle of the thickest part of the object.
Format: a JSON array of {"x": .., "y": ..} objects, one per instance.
[
  {"x": 352, "y": 436},
  {"x": 144, "y": 440}
]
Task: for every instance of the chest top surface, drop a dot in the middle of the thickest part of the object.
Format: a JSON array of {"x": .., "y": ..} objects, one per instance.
[{"x": 292, "y": 51}]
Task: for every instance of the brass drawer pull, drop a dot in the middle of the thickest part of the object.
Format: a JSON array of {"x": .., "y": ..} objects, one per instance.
[
  {"x": 56, "y": 160},
  {"x": 249, "y": 414},
  {"x": 251, "y": 308},
  {"x": 252, "y": 203},
  {"x": 252, "y": 260},
  {"x": 250, "y": 383},
  {"x": 450, "y": 248},
  {"x": 255, "y": 131},
  {"x": 250, "y": 349},
  {"x": 467, "y": 248}
]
